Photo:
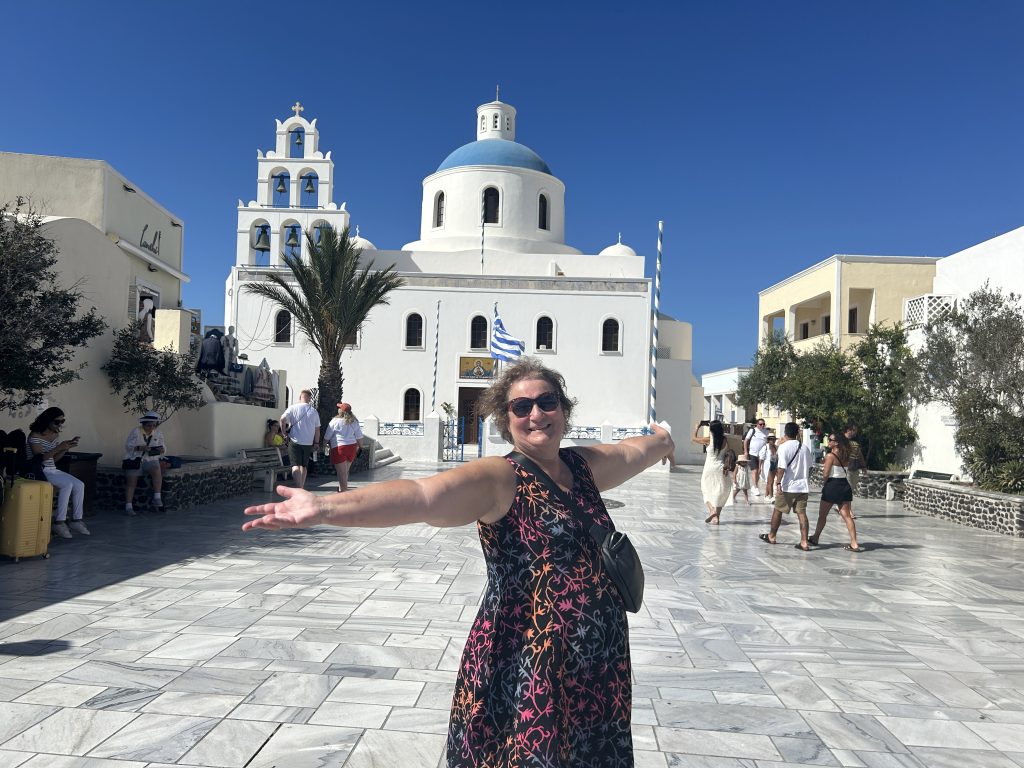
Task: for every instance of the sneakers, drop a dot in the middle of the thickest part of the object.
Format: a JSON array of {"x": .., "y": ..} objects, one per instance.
[
  {"x": 78, "y": 527},
  {"x": 755, "y": 492},
  {"x": 61, "y": 530}
]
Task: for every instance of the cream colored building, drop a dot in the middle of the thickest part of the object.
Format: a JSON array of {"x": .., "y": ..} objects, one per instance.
[
  {"x": 838, "y": 299},
  {"x": 123, "y": 249}
]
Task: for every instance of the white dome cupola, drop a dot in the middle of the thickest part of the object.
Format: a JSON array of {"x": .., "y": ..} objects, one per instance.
[
  {"x": 496, "y": 120},
  {"x": 618, "y": 249},
  {"x": 496, "y": 190}
]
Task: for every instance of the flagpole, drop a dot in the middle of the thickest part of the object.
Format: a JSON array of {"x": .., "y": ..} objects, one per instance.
[
  {"x": 483, "y": 220},
  {"x": 654, "y": 326},
  {"x": 437, "y": 329}
]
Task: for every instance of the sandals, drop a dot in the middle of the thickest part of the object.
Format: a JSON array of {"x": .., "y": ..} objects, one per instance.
[
  {"x": 764, "y": 537},
  {"x": 801, "y": 547},
  {"x": 812, "y": 540},
  {"x": 714, "y": 517},
  {"x": 853, "y": 549}
]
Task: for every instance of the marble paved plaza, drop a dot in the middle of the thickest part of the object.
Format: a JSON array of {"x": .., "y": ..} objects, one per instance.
[{"x": 183, "y": 641}]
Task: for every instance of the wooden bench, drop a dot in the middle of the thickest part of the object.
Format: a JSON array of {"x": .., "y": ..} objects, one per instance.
[
  {"x": 269, "y": 463},
  {"x": 924, "y": 474}
]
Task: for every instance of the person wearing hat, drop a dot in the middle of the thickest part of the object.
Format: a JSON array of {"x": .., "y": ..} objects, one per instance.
[
  {"x": 741, "y": 478},
  {"x": 343, "y": 435},
  {"x": 142, "y": 452}
]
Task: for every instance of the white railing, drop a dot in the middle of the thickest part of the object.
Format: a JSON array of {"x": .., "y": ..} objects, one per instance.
[
  {"x": 929, "y": 308},
  {"x": 405, "y": 428}
]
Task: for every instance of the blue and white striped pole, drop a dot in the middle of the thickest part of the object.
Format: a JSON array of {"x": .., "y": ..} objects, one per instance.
[
  {"x": 437, "y": 329},
  {"x": 654, "y": 326},
  {"x": 483, "y": 220}
]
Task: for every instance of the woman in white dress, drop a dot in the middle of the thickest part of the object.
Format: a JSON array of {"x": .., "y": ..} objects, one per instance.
[{"x": 715, "y": 481}]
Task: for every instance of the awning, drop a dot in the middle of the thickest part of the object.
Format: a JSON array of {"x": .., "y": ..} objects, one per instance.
[{"x": 150, "y": 259}]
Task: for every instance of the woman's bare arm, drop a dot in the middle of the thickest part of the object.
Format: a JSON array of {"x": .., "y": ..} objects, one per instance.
[
  {"x": 613, "y": 465},
  {"x": 482, "y": 490}
]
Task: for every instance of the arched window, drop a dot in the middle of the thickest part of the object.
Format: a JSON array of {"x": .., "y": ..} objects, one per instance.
[
  {"x": 414, "y": 330},
  {"x": 483, "y": 123},
  {"x": 283, "y": 327},
  {"x": 495, "y": 120},
  {"x": 439, "y": 210},
  {"x": 478, "y": 333},
  {"x": 296, "y": 139},
  {"x": 545, "y": 333},
  {"x": 491, "y": 205},
  {"x": 508, "y": 123},
  {"x": 411, "y": 405},
  {"x": 542, "y": 212},
  {"x": 610, "y": 335}
]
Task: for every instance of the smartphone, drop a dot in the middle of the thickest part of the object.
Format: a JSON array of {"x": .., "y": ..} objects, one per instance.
[{"x": 705, "y": 422}]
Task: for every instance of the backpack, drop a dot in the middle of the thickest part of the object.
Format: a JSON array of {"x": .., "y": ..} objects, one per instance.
[
  {"x": 16, "y": 461},
  {"x": 728, "y": 459}
]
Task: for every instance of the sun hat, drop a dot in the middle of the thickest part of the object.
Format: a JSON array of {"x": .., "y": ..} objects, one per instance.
[
  {"x": 149, "y": 416},
  {"x": 743, "y": 457},
  {"x": 344, "y": 407}
]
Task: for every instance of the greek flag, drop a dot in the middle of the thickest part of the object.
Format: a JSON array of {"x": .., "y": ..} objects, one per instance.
[{"x": 504, "y": 346}]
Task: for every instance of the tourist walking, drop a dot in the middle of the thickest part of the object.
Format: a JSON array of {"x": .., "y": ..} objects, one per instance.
[
  {"x": 43, "y": 445},
  {"x": 142, "y": 451},
  {"x": 837, "y": 490},
  {"x": 856, "y": 462},
  {"x": 545, "y": 677},
  {"x": 343, "y": 435},
  {"x": 795, "y": 465},
  {"x": 301, "y": 423},
  {"x": 753, "y": 442},
  {"x": 741, "y": 479},
  {"x": 719, "y": 462},
  {"x": 769, "y": 463}
]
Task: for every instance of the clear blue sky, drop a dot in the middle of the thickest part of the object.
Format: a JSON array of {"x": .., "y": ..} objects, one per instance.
[{"x": 768, "y": 136}]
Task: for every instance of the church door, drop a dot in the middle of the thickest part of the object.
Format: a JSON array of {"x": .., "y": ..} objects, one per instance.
[{"x": 467, "y": 412}]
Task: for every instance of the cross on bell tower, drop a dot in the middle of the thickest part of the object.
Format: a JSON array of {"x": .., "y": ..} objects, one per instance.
[{"x": 297, "y": 108}]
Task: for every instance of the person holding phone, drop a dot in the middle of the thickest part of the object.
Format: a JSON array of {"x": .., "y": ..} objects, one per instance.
[
  {"x": 43, "y": 442},
  {"x": 142, "y": 452}
]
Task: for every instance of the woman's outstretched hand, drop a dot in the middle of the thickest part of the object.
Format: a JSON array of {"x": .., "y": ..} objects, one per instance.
[
  {"x": 670, "y": 455},
  {"x": 300, "y": 509}
]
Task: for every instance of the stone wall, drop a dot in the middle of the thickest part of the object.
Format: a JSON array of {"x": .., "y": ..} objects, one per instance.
[
  {"x": 871, "y": 484},
  {"x": 964, "y": 504},
  {"x": 191, "y": 484}
]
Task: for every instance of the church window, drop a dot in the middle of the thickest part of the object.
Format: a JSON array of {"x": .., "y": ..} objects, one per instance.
[
  {"x": 414, "y": 331},
  {"x": 610, "y": 335},
  {"x": 491, "y": 205},
  {"x": 508, "y": 123},
  {"x": 545, "y": 334},
  {"x": 495, "y": 121},
  {"x": 439, "y": 210},
  {"x": 478, "y": 332},
  {"x": 411, "y": 405},
  {"x": 483, "y": 123},
  {"x": 296, "y": 140},
  {"x": 283, "y": 327},
  {"x": 542, "y": 212}
]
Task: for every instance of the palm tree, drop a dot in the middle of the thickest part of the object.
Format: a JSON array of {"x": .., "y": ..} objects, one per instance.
[{"x": 330, "y": 298}]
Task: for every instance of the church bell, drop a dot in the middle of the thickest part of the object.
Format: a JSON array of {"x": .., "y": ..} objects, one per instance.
[
  {"x": 262, "y": 241},
  {"x": 309, "y": 188},
  {"x": 280, "y": 188},
  {"x": 293, "y": 239}
]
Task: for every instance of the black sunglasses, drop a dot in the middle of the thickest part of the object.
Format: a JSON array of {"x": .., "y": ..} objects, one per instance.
[
  {"x": 58, "y": 421},
  {"x": 523, "y": 406}
]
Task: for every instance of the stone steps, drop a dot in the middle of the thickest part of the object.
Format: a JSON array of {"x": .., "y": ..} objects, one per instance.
[{"x": 383, "y": 456}]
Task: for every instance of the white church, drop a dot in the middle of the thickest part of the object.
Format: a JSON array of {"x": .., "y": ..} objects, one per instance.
[{"x": 492, "y": 234}]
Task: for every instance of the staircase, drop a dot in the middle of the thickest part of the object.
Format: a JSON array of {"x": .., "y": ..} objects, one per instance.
[{"x": 383, "y": 456}]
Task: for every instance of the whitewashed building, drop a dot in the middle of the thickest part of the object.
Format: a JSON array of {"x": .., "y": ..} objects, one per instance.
[
  {"x": 587, "y": 315},
  {"x": 720, "y": 395},
  {"x": 998, "y": 262}
]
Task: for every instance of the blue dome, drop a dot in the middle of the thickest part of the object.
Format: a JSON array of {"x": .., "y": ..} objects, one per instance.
[{"x": 495, "y": 152}]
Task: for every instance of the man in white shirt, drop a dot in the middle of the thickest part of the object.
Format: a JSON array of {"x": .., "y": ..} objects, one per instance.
[
  {"x": 753, "y": 442},
  {"x": 795, "y": 466},
  {"x": 301, "y": 423}
]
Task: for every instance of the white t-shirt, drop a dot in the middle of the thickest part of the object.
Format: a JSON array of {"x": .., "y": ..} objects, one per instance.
[
  {"x": 340, "y": 432},
  {"x": 795, "y": 464},
  {"x": 758, "y": 437},
  {"x": 303, "y": 420}
]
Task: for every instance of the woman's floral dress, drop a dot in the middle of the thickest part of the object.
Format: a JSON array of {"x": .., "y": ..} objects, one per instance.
[{"x": 544, "y": 680}]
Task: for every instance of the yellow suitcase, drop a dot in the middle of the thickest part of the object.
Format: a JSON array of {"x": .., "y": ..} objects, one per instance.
[{"x": 25, "y": 519}]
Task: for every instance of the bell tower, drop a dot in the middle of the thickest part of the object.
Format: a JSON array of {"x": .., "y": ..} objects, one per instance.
[{"x": 294, "y": 195}]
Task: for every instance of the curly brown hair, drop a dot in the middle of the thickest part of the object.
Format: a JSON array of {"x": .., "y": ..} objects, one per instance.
[{"x": 494, "y": 401}]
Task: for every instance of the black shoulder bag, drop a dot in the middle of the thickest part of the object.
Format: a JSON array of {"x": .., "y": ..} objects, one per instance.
[{"x": 620, "y": 558}]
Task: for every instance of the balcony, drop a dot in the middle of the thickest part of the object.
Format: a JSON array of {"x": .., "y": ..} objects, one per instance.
[{"x": 929, "y": 308}]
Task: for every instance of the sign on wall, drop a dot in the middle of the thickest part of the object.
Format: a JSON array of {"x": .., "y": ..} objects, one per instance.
[{"x": 476, "y": 367}]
